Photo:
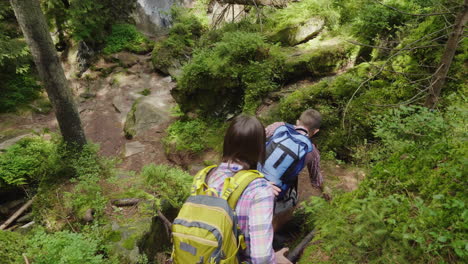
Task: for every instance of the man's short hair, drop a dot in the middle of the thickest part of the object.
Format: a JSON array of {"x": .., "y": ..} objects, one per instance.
[{"x": 311, "y": 119}]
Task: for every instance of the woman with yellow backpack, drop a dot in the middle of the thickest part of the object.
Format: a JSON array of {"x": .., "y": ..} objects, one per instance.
[{"x": 228, "y": 217}]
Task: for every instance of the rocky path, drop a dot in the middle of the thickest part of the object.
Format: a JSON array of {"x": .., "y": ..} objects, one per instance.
[{"x": 105, "y": 95}]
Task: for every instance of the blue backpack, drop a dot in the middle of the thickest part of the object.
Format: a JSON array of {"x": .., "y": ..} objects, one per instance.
[{"x": 286, "y": 150}]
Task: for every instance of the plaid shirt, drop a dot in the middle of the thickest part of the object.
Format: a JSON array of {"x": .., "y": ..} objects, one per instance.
[
  {"x": 312, "y": 159},
  {"x": 254, "y": 211}
]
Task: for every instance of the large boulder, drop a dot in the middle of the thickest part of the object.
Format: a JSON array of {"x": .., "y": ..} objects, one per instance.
[
  {"x": 146, "y": 113},
  {"x": 300, "y": 33}
]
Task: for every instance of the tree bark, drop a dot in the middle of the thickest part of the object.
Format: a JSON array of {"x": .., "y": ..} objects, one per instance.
[
  {"x": 34, "y": 27},
  {"x": 438, "y": 80},
  {"x": 275, "y": 3}
]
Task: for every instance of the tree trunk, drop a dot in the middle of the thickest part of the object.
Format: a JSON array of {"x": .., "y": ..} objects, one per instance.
[
  {"x": 438, "y": 80},
  {"x": 34, "y": 27},
  {"x": 275, "y": 3}
]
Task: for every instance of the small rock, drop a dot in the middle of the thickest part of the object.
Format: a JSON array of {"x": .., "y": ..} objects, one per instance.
[
  {"x": 167, "y": 79},
  {"x": 133, "y": 148},
  {"x": 88, "y": 216},
  {"x": 126, "y": 59}
]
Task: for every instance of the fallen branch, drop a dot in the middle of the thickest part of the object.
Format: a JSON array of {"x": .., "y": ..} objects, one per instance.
[
  {"x": 166, "y": 222},
  {"x": 293, "y": 256},
  {"x": 27, "y": 225},
  {"x": 16, "y": 214},
  {"x": 25, "y": 259},
  {"x": 125, "y": 201}
]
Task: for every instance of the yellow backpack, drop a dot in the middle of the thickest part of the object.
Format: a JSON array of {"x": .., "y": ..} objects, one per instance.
[{"x": 206, "y": 230}]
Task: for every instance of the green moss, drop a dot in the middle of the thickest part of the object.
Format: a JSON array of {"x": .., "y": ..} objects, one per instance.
[
  {"x": 194, "y": 136},
  {"x": 115, "y": 236},
  {"x": 129, "y": 243}
]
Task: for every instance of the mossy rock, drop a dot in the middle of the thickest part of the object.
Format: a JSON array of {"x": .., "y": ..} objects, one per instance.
[
  {"x": 299, "y": 33},
  {"x": 167, "y": 60},
  {"x": 125, "y": 237},
  {"x": 322, "y": 59},
  {"x": 143, "y": 238}
]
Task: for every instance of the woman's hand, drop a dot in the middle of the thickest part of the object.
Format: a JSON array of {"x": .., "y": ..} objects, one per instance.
[
  {"x": 276, "y": 189},
  {"x": 280, "y": 258}
]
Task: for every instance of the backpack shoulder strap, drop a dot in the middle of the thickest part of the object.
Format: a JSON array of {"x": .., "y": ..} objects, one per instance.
[
  {"x": 235, "y": 186},
  {"x": 199, "y": 181}
]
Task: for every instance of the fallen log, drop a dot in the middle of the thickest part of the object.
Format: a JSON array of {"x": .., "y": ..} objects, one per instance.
[
  {"x": 125, "y": 201},
  {"x": 16, "y": 214},
  {"x": 294, "y": 255},
  {"x": 275, "y": 3}
]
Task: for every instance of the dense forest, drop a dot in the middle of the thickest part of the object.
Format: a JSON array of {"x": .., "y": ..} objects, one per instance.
[{"x": 108, "y": 109}]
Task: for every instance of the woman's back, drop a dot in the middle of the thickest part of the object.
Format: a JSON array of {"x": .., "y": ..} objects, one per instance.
[{"x": 254, "y": 211}]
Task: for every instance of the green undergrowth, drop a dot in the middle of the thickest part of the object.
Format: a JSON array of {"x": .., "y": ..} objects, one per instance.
[
  {"x": 412, "y": 208},
  {"x": 126, "y": 37},
  {"x": 192, "y": 136},
  {"x": 40, "y": 246}
]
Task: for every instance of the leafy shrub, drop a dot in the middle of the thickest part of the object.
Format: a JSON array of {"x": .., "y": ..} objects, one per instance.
[
  {"x": 172, "y": 184},
  {"x": 12, "y": 245},
  {"x": 125, "y": 37},
  {"x": 232, "y": 74},
  {"x": 28, "y": 162},
  {"x": 63, "y": 247},
  {"x": 412, "y": 207},
  {"x": 174, "y": 51}
]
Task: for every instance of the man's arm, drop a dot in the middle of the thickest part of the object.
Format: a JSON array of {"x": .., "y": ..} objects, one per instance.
[{"x": 313, "y": 165}]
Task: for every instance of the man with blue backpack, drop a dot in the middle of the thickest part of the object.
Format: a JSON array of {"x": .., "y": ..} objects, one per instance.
[{"x": 288, "y": 150}]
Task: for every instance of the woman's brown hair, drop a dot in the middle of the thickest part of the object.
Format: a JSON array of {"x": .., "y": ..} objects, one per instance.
[{"x": 244, "y": 142}]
